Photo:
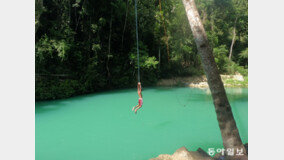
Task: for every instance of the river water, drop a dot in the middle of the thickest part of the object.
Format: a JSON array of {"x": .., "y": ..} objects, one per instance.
[{"x": 101, "y": 126}]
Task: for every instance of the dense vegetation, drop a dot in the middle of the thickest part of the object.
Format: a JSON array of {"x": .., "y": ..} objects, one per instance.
[{"x": 84, "y": 46}]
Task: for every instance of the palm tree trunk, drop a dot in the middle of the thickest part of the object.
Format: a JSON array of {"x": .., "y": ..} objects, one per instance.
[{"x": 227, "y": 124}]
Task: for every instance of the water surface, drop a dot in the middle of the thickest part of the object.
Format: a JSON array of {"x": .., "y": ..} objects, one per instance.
[{"x": 102, "y": 126}]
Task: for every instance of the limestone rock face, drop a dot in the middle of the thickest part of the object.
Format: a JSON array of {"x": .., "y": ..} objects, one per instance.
[
  {"x": 183, "y": 154},
  {"x": 199, "y": 85},
  {"x": 237, "y": 77},
  {"x": 198, "y": 81},
  {"x": 163, "y": 157}
]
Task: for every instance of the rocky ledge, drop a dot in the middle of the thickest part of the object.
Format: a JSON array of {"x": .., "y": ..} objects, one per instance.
[
  {"x": 236, "y": 80},
  {"x": 183, "y": 154}
]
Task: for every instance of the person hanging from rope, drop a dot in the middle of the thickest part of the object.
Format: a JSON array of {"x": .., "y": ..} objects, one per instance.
[
  {"x": 140, "y": 100},
  {"x": 139, "y": 88}
]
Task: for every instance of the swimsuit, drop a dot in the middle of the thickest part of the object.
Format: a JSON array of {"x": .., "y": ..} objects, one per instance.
[{"x": 140, "y": 101}]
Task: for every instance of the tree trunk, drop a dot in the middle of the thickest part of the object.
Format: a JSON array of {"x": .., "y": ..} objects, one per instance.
[
  {"x": 165, "y": 31},
  {"x": 79, "y": 16},
  {"x": 110, "y": 31},
  {"x": 204, "y": 16},
  {"x": 124, "y": 27},
  {"x": 159, "y": 58},
  {"x": 233, "y": 40},
  {"x": 212, "y": 23},
  {"x": 38, "y": 11},
  {"x": 109, "y": 44},
  {"x": 227, "y": 124}
]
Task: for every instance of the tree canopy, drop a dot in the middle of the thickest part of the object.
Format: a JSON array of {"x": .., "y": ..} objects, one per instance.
[{"x": 84, "y": 46}]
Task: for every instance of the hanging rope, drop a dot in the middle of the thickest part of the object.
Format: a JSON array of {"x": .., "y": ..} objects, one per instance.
[{"x": 138, "y": 76}]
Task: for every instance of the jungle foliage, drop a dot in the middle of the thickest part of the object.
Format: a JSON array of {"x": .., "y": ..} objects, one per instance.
[{"x": 83, "y": 46}]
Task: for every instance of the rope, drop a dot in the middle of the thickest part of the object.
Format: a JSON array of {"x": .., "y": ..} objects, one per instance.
[{"x": 138, "y": 76}]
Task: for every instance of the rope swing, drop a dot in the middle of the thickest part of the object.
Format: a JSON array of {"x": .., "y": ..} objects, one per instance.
[{"x": 138, "y": 76}]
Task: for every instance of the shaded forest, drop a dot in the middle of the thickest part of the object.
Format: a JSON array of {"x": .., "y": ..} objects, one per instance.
[{"x": 84, "y": 46}]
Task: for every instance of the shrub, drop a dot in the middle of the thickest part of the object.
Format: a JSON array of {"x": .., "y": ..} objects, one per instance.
[
  {"x": 47, "y": 89},
  {"x": 233, "y": 68},
  {"x": 220, "y": 56}
]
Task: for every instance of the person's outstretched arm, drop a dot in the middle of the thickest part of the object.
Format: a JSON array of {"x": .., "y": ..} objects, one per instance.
[{"x": 139, "y": 87}]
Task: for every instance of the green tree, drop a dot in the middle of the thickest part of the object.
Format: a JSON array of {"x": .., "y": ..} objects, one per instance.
[{"x": 227, "y": 124}]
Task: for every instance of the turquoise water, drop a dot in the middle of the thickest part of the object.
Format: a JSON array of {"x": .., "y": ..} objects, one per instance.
[{"x": 102, "y": 126}]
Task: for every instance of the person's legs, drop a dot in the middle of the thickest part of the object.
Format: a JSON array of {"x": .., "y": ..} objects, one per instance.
[{"x": 135, "y": 107}]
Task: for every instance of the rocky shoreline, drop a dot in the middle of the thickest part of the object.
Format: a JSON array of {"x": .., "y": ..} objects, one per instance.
[
  {"x": 236, "y": 80},
  {"x": 183, "y": 154}
]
